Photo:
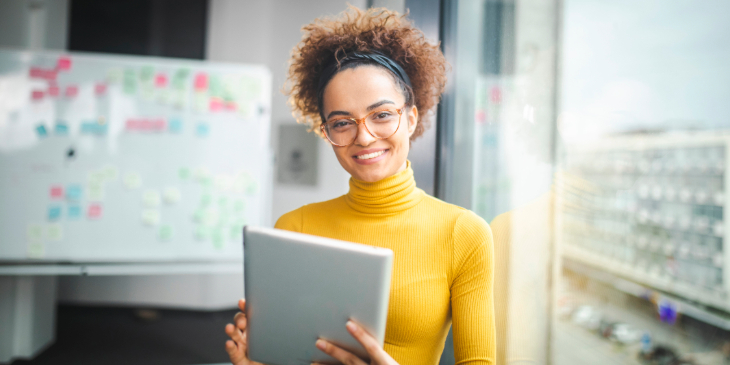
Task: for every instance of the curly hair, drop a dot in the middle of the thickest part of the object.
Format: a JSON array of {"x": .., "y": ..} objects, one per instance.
[{"x": 376, "y": 29}]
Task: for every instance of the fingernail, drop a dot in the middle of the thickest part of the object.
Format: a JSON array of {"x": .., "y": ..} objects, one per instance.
[
  {"x": 351, "y": 326},
  {"x": 321, "y": 345}
]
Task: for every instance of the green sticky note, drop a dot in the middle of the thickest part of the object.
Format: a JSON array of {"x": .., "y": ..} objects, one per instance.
[
  {"x": 130, "y": 82},
  {"x": 223, "y": 202},
  {"x": 239, "y": 205},
  {"x": 206, "y": 199},
  {"x": 218, "y": 238},
  {"x": 184, "y": 173},
  {"x": 114, "y": 76},
  {"x": 36, "y": 249},
  {"x": 202, "y": 233},
  {"x": 165, "y": 232},
  {"x": 54, "y": 232},
  {"x": 199, "y": 215},
  {"x": 146, "y": 73},
  {"x": 206, "y": 182},
  {"x": 35, "y": 232}
]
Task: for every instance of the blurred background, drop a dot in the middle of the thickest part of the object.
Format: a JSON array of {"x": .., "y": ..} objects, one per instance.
[{"x": 138, "y": 137}]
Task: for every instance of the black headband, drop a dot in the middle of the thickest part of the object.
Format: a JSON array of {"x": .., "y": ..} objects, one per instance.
[{"x": 373, "y": 56}]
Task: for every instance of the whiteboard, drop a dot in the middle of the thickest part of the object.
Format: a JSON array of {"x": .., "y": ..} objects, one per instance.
[{"x": 119, "y": 159}]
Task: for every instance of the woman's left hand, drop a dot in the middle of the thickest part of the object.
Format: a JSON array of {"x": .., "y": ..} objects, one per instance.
[{"x": 378, "y": 356}]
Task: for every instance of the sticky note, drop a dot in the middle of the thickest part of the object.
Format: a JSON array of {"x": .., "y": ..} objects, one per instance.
[
  {"x": 231, "y": 106},
  {"x": 94, "y": 127},
  {"x": 61, "y": 128},
  {"x": 56, "y": 192},
  {"x": 161, "y": 80},
  {"x": 74, "y": 211},
  {"x": 95, "y": 178},
  {"x": 175, "y": 126},
  {"x": 211, "y": 217},
  {"x": 202, "y": 130},
  {"x": 129, "y": 82},
  {"x": 54, "y": 232},
  {"x": 206, "y": 199},
  {"x": 99, "y": 89},
  {"x": 171, "y": 195},
  {"x": 114, "y": 76},
  {"x": 63, "y": 63},
  {"x": 132, "y": 180},
  {"x": 151, "y": 198},
  {"x": 218, "y": 238},
  {"x": 223, "y": 182},
  {"x": 41, "y": 131},
  {"x": 73, "y": 192},
  {"x": 165, "y": 232},
  {"x": 151, "y": 217},
  {"x": 36, "y": 249},
  {"x": 54, "y": 212},
  {"x": 94, "y": 211},
  {"x": 183, "y": 173},
  {"x": 35, "y": 232},
  {"x": 201, "y": 173},
  {"x": 54, "y": 91},
  {"x": 199, "y": 215},
  {"x": 201, "y": 82},
  {"x": 96, "y": 192},
  {"x": 202, "y": 233},
  {"x": 111, "y": 173},
  {"x": 71, "y": 91},
  {"x": 215, "y": 105},
  {"x": 239, "y": 205}
]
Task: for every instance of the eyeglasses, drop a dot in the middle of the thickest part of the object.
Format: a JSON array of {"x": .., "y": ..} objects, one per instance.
[{"x": 381, "y": 124}]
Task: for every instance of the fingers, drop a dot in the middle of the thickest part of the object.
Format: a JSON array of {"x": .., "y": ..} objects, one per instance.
[
  {"x": 242, "y": 304},
  {"x": 367, "y": 341},
  {"x": 240, "y": 320},
  {"x": 345, "y": 357}
]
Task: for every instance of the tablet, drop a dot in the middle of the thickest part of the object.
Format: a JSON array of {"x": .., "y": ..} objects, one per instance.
[{"x": 300, "y": 287}]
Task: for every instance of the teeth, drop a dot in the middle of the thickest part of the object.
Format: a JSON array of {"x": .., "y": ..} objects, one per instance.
[{"x": 370, "y": 155}]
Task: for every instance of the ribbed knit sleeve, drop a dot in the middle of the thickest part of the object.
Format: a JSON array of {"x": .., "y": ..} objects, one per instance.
[
  {"x": 472, "y": 301},
  {"x": 291, "y": 221}
]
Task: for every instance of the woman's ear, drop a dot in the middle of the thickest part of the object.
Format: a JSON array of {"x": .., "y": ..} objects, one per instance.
[{"x": 412, "y": 120}]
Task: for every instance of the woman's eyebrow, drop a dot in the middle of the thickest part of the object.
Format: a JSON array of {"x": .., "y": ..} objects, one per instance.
[{"x": 371, "y": 107}]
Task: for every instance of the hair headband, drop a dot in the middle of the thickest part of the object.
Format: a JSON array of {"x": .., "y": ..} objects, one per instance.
[{"x": 374, "y": 56}]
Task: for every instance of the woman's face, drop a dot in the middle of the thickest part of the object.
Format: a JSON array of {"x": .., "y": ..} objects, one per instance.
[{"x": 355, "y": 92}]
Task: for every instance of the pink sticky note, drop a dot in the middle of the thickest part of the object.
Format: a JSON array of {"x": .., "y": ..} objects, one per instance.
[
  {"x": 56, "y": 192},
  {"x": 100, "y": 89},
  {"x": 161, "y": 80},
  {"x": 216, "y": 104},
  {"x": 94, "y": 211},
  {"x": 231, "y": 106},
  {"x": 54, "y": 90},
  {"x": 201, "y": 82},
  {"x": 64, "y": 63},
  {"x": 71, "y": 91},
  {"x": 36, "y": 95}
]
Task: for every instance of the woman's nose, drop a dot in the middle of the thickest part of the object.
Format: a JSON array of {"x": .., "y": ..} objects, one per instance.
[{"x": 364, "y": 138}]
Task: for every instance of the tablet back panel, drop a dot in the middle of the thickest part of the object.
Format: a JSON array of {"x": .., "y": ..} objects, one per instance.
[{"x": 300, "y": 287}]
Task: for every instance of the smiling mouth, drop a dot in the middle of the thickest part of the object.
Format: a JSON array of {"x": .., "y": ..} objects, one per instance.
[{"x": 370, "y": 155}]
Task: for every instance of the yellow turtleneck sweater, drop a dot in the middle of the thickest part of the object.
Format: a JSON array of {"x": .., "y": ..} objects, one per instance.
[{"x": 442, "y": 268}]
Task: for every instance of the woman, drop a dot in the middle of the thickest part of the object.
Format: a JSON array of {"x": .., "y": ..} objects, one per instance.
[{"x": 363, "y": 82}]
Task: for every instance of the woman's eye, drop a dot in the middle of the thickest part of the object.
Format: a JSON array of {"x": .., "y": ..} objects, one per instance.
[{"x": 382, "y": 115}]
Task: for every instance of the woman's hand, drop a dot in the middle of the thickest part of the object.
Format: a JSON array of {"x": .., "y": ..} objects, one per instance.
[
  {"x": 378, "y": 356},
  {"x": 237, "y": 346}
]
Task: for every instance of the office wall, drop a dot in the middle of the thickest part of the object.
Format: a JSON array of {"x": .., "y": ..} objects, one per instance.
[{"x": 37, "y": 24}]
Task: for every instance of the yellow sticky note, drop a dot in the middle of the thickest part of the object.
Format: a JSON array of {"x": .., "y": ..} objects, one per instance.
[
  {"x": 132, "y": 180},
  {"x": 54, "y": 232},
  {"x": 171, "y": 195},
  {"x": 151, "y": 198},
  {"x": 151, "y": 217},
  {"x": 35, "y": 232},
  {"x": 36, "y": 249}
]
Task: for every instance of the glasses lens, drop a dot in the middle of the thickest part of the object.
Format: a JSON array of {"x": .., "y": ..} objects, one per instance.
[
  {"x": 341, "y": 131},
  {"x": 383, "y": 123}
]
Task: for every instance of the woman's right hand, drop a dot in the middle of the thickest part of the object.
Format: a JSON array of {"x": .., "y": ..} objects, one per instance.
[{"x": 237, "y": 346}]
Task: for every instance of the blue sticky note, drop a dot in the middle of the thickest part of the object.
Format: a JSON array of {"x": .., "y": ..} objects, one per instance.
[
  {"x": 93, "y": 128},
  {"x": 73, "y": 192},
  {"x": 54, "y": 212},
  {"x": 41, "y": 130},
  {"x": 202, "y": 129},
  {"x": 74, "y": 211},
  {"x": 175, "y": 126},
  {"x": 61, "y": 128}
]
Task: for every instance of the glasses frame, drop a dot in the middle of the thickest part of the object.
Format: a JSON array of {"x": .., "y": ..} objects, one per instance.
[{"x": 359, "y": 121}]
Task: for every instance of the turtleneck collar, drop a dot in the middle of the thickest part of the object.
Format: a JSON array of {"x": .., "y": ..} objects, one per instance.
[{"x": 391, "y": 195}]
